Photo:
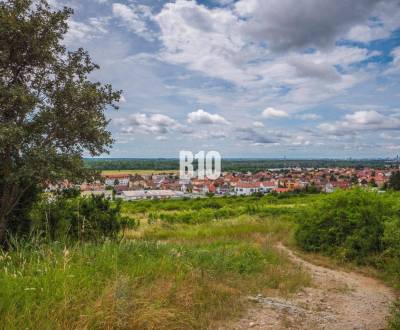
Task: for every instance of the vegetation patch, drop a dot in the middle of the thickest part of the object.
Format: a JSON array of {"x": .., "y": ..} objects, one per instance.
[{"x": 175, "y": 277}]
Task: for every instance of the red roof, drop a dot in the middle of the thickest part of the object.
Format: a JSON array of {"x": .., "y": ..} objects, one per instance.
[
  {"x": 211, "y": 188},
  {"x": 268, "y": 184}
]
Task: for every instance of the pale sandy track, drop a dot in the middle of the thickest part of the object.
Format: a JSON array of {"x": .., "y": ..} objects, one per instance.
[{"x": 337, "y": 300}]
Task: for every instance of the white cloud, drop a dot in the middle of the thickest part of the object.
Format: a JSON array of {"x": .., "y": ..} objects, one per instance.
[
  {"x": 258, "y": 124},
  {"x": 218, "y": 43},
  {"x": 288, "y": 24},
  {"x": 359, "y": 121},
  {"x": 240, "y": 57},
  {"x": 365, "y": 118},
  {"x": 202, "y": 117},
  {"x": 151, "y": 124},
  {"x": 80, "y": 32},
  {"x": 385, "y": 19},
  {"x": 135, "y": 17},
  {"x": 274, "y": 113}
]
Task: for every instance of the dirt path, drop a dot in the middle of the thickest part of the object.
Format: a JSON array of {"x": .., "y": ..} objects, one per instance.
[{"x": 337, "y": 300}]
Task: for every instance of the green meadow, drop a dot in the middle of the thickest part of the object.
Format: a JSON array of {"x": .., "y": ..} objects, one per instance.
[{"x": 190, "y": 264}]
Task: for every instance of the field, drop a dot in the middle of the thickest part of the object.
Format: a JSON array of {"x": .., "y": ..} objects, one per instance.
[
  {"x": 165, "y": 275},
  {"x": 189, "y": 265},
  {"x": 140, "y": 172}
]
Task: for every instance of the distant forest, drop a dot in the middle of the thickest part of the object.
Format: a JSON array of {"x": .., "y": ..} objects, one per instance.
[{"x": 239, "y": 165}]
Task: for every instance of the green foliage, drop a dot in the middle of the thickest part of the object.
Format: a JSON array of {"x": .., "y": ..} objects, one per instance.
[
  {"x": 205, "y": 210},
  {"x": 357, "y": 225},
  {"x": 85, "y": 219},
  {"x": 237, "y": 165},
  {"x": 348, "y": 224},
  {"x": 394, "y": 322},
  {"x": 50, "y": 111}
]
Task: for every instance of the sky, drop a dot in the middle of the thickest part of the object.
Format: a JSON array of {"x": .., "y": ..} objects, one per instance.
[{"x": 247, "y": 78}]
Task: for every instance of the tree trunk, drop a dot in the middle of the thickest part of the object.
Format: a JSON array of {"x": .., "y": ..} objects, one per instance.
[
  {"x": 9, "y": 198},
  {"x": 3, "y": 230},
  {"x": 4, "y": 212}
]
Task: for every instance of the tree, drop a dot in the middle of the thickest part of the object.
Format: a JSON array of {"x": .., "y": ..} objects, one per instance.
[
  {"x": 394, "y": 180},
  {"x": 50, "y": 112}
]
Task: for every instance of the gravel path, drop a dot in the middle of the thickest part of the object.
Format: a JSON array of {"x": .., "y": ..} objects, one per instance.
[{"x": 337, "y": 300}]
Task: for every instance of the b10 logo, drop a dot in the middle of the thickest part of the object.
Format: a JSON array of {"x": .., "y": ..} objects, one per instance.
[{"x": 209, "y": 165}]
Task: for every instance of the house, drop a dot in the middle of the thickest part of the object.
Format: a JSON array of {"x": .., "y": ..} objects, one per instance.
[
  {"x": 94, "y": 186},
  {"x": 223, "y": 188},
  {"x": 137, "y": 182},
  {"x": 267, "y": 186},
  {"x": 246, "y": 188},
  {"x": 116, "y": 179},
  {"x": 202, "y": 187}
]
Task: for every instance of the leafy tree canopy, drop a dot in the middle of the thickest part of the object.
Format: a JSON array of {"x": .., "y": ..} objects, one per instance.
[{"x": 50, "y": 112}]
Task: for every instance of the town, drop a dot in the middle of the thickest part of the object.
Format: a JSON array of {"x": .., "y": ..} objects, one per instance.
[{"x": 166, "y": 185}]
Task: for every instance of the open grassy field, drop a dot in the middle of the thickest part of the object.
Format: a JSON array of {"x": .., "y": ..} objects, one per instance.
[
  {"x": 165, "y": 275},
  {"x": 191, "y": 264}
]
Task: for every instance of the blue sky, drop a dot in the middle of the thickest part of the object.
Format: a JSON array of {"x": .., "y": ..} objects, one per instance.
[{"x": 248, "y": 78}]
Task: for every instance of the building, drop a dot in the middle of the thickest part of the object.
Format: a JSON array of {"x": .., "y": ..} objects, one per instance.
[
  {"x": 132, "y": 195},
  {"x": 116, "y": 179},
  {"x": 246, "y": 188}
]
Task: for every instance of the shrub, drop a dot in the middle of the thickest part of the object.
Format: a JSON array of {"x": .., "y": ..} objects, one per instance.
[
  {"x": 348, "y": 224},
  {"x": 85, "y": 219}
]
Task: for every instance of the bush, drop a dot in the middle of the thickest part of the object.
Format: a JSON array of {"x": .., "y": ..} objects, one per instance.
[
  {"x": 85, "y": 219},
  {"x": 348, "y": 224}
]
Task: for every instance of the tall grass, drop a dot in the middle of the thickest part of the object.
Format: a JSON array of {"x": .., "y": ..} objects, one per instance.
[{"x": 177, "y": 276}]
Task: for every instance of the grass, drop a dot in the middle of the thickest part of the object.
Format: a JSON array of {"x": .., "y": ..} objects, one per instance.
[
  {"x": 167, "y": 276},
  {"x": 190, "y": 265}
]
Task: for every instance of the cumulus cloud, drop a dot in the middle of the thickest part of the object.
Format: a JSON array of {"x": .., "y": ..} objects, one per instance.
[
  {"x": 223, "y": 43},
  {"x": 383, "y": 20},
  {"x": 151, "y": 124},
  {"x": 272, "y": 113},
  {"x": 312, "y": 69},
  {"x": 202, "y": 117},
  {"x": 367, "y": 120},
  {"x": 245, "y": 54},
  {"x": 288, "y": 24}
]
